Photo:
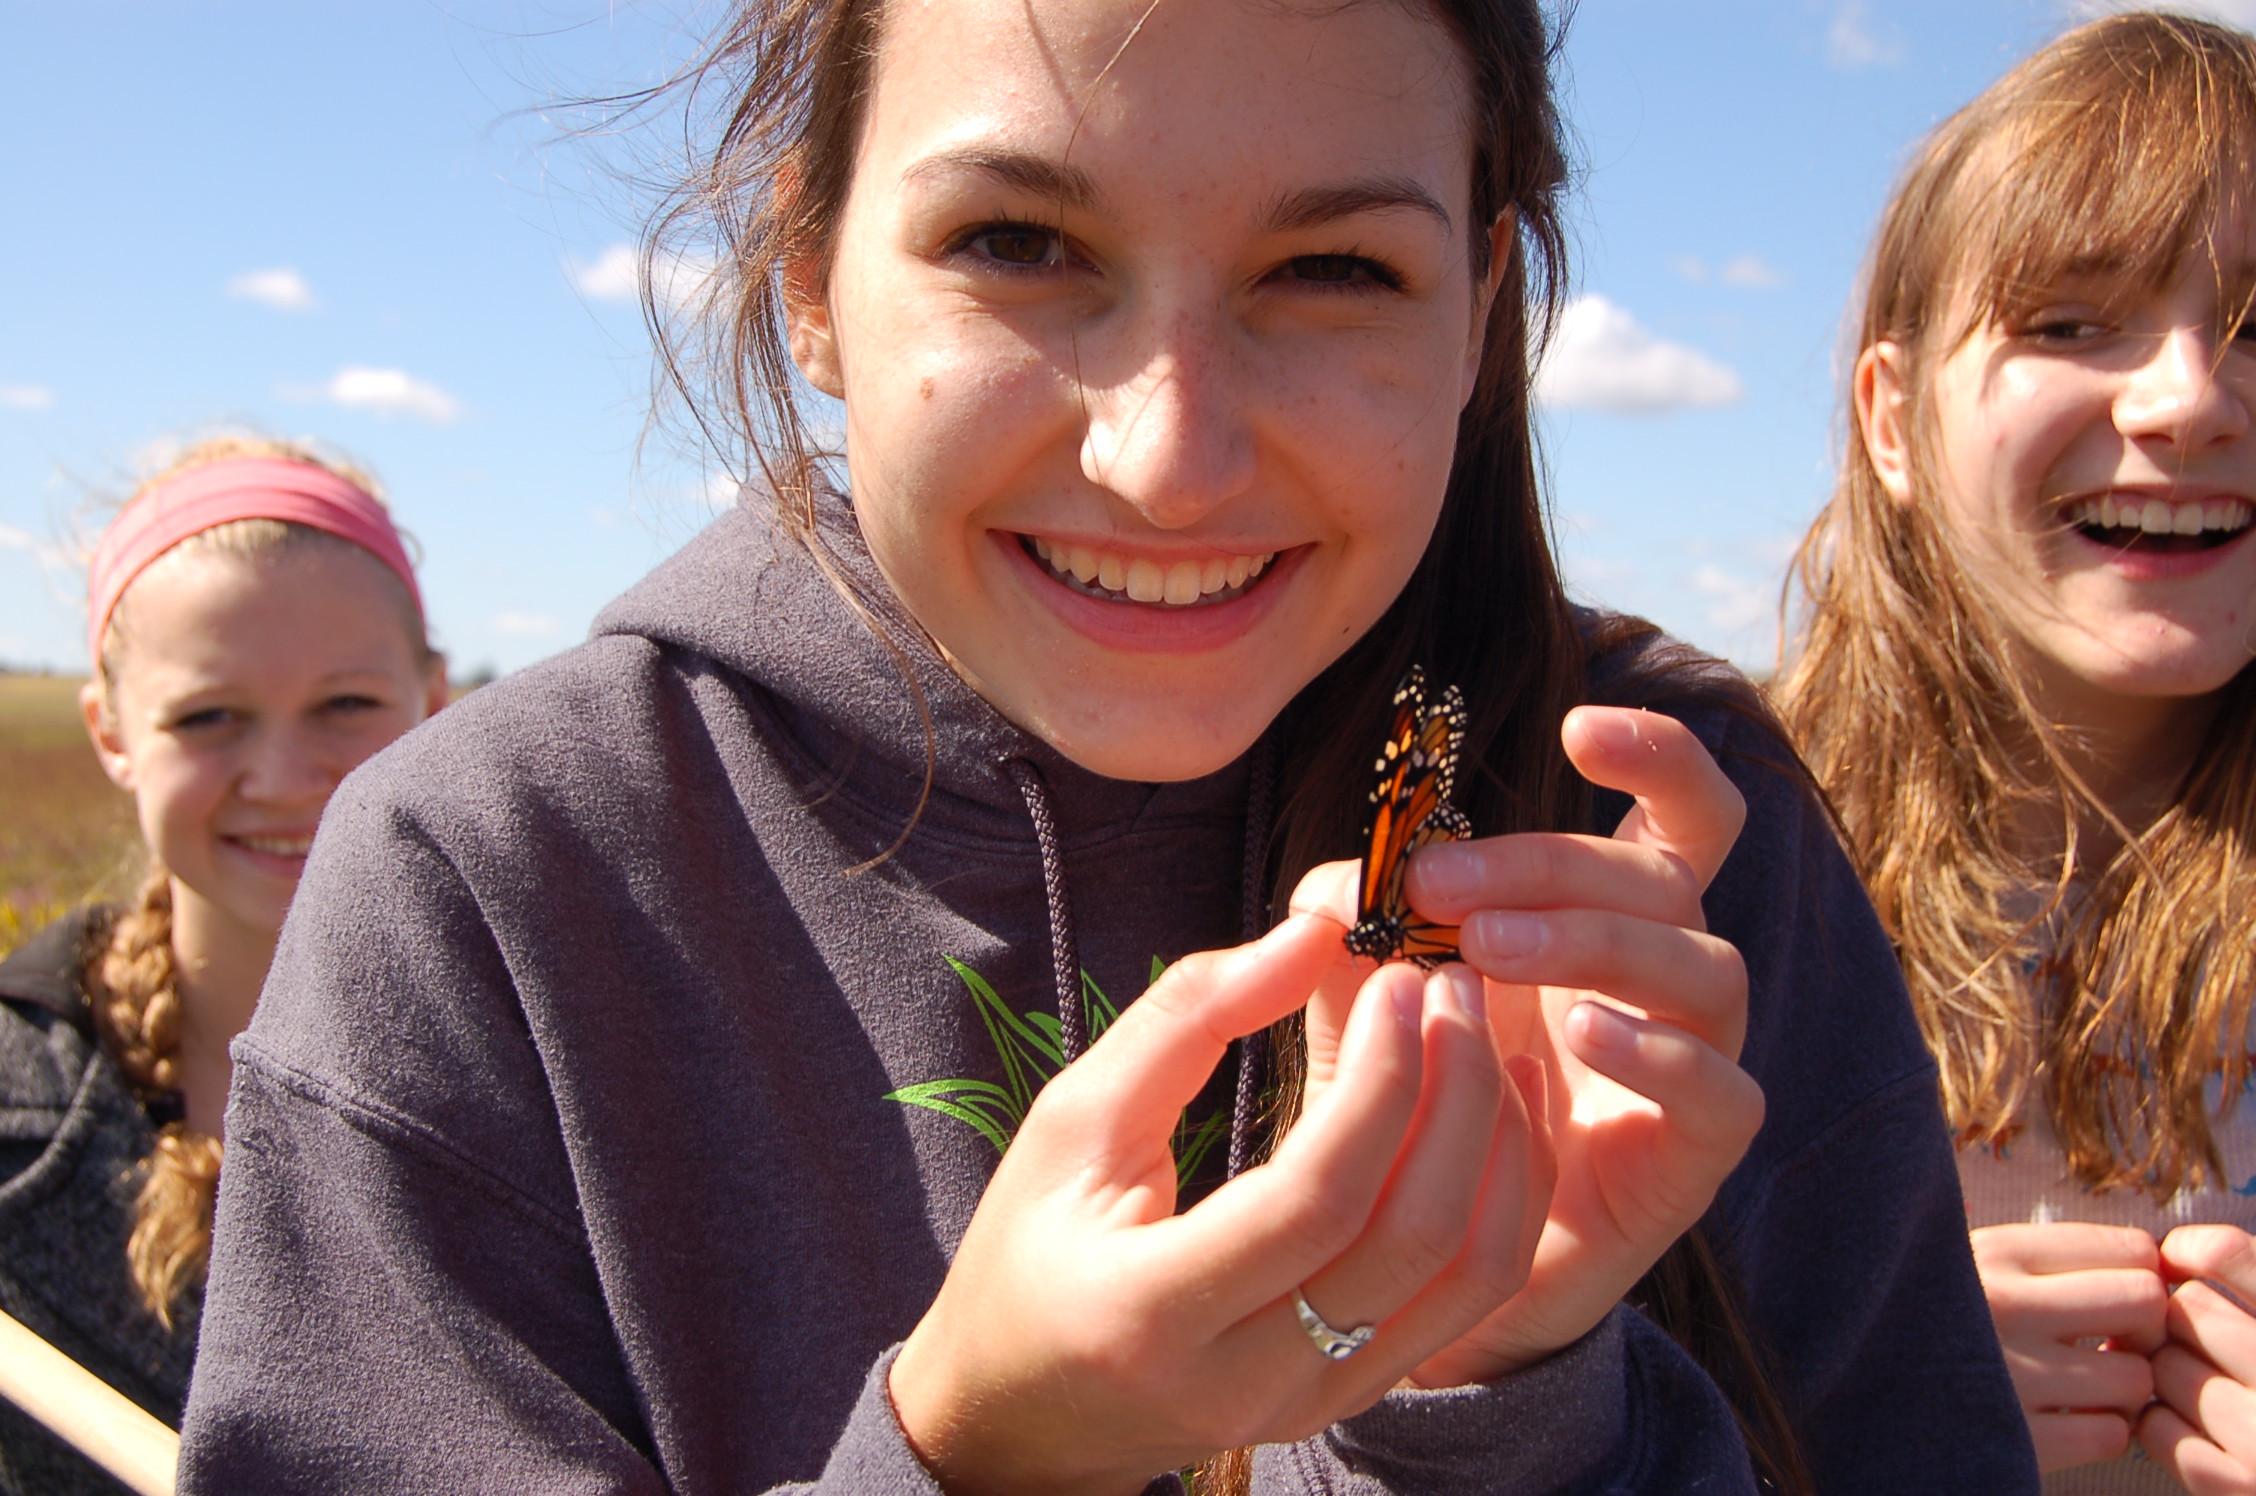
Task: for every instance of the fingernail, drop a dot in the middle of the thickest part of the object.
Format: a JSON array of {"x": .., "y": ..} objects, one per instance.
[
  {"x": 1461, "y": 986},
  {"x": 1447, "y": 872},
  {"x": 1613, "y": 731},
  {"x": 1603, "y": 1028},
  {"x": 1506, "y": 935}
]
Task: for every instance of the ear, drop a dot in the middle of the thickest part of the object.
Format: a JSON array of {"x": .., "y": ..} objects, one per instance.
[
  {"x": 436, "y": 690},
  {"x": 814, "y": 340},
  {"x": 102, "y": 730},
  {"x": 1881, "y": 388},
  {"x": 1502, "y": 236}
]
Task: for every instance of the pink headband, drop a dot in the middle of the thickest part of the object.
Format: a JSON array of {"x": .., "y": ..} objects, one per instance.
[{"x": 220, "y": 493}]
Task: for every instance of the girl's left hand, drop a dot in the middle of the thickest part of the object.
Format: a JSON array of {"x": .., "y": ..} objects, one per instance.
[
  {"x": 2202, "y": 1425},
  {"x": 1598, "y": 963}
]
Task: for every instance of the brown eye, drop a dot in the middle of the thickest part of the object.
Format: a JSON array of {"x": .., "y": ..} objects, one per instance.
[
  {"x": 1342, "y": 272},
  {"x": 1017, "y": 244}
]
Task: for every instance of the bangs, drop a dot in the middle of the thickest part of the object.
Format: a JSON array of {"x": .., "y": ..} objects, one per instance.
[{"x": 2103, "y": 163}]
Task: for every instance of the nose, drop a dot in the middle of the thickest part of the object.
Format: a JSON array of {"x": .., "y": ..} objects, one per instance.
[
  {"x": 1169, "y": 435},
  {"x": 2180, "y": 398},
  {"x": 284, "y": 766}
]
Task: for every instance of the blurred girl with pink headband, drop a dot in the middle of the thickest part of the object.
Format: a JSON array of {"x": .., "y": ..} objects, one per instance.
[{"x": 256, "y": 632}]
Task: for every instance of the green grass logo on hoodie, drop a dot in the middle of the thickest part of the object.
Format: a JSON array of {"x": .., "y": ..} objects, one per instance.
[{"x": 1032, "y": 1050}]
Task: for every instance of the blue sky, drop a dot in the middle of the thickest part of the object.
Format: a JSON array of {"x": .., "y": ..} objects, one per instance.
[{"x": 359, "y": 222}]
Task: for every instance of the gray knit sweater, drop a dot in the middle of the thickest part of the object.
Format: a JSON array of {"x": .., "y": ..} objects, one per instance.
[{"x": 71, "y": 1135}]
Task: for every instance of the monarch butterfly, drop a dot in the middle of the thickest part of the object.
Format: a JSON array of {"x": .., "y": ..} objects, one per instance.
[{"x": 1417, "y": 767}]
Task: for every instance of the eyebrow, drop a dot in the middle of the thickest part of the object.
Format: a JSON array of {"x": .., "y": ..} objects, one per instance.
[
  {"x": 1072, "y": 187},
  {"x": 1036, "y": 176},
  {"x": 1314, "y": 206}
]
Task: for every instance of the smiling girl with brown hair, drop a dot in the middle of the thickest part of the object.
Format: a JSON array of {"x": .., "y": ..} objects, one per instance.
[
  {"x": 2025, "y": 682},
  {"x": 628, "y": 1097}
]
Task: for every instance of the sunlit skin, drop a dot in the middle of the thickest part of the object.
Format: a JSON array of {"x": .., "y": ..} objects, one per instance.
[
  {"x": 1247, "y": 335},
  {"x": 246, "y": 689},
  {"x": 1153, "y": 346},
  {"x": 2086, "y": 400}
]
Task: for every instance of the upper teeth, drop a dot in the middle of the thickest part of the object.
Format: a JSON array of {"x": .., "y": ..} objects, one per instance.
[
  {"x": 2160, "y": 516},
  {"x": 1146, "y": 580},
  {"x": 278, "y": 846}
]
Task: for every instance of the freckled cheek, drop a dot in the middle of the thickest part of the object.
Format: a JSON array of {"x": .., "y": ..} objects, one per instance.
[
  {"x": 942, "y": 411},
  {"x": 1383, "y": 434}
]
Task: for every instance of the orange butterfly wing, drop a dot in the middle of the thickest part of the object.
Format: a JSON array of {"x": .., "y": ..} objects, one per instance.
[{"x": 1410, "y": 806}]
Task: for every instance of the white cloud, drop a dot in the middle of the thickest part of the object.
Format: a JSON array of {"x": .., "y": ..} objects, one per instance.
[
  {"x": 1691, "y": 267},
  {"x": 1602, "y": 359},
  {"x": 26, "y": 396},
  {"x": 616, "y": 275},
  {"x": 1852, "y": 42},
  {"x": 281, "y": 288},
  {"x": 385, "y": 392},
  {"x": 1751, "y": 272},
  {"x": 610, "y": 276},
  {"x": 526, "y": 625}
]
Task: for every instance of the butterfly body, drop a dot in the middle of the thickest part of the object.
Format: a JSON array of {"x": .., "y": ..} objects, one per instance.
[{"x": 1410, "y": 807}]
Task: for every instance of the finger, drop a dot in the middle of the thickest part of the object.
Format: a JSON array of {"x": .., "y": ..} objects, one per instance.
[
  {"x": 1275, "y": 1226},
  {"x": 2220, "y": 1407},
  {"x": 1685, "y": 805},
  {"x": 2214, "y": 1328},
  {"x": 1708, "y": 1101},
  {"x": 1552, "y": 870},
  {"x": 1422, "y": 1220},
  {"x": 2069, "y": 1378},
  {"x": 1693, "y": 980},
  {"x": 1499, "y": 1249},
  {"x": 2126, "y": 1304},
  {"x": 1125, "y": 1095},
  {"x": 2221, "y": 1254},
  {"x": 1708, "y": 1109},
  {"x": 2188, "y": 1457},
  {"x": 1501, "y": 1259},
  {"x": 2063, "y": 1247},
  {"x": 1328, "y": 891},
  {"x": 2065, "y": 1439}
]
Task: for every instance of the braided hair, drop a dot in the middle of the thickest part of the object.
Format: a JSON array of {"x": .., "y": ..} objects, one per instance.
[{"x": 132, "y": 986}]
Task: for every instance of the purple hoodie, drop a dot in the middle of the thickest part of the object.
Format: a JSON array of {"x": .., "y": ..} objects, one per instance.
[{"x": 604, "y": 1129}]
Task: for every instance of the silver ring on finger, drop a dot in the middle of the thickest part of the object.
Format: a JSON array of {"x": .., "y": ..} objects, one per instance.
[{"x": 1336, "y": 1345}]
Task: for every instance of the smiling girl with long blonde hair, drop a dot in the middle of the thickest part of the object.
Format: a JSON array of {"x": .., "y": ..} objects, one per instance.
[
  {"x": 256, "y": 632},
  {"x": 2024, "y": 681}
]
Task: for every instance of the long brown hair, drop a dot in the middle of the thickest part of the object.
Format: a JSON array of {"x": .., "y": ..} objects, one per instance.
[
  {"x": 129, "y": 976},
  {"x": 785, "y": 83},
  {"x": 2119, "y": 148}
]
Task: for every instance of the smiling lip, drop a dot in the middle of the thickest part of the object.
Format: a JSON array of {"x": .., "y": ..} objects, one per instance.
[
  {"x": 2155, "y": 537},
  {"x": 276, "y": 851},
  {"x": 1114, "y": 619}
]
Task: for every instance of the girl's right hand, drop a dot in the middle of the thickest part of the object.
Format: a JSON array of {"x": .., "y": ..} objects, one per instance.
[
  {"x": 1088, "y": 1338},
  {"x": 2055, "y": 1288}
]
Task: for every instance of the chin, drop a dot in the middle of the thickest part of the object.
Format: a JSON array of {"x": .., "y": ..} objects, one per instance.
[{"x": 1158, "y": 753}]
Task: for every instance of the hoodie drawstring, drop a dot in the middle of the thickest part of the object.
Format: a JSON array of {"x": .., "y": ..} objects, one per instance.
[
  {"x": 1253, "y": 1049},
  {"x": 1065, "y": 957}
]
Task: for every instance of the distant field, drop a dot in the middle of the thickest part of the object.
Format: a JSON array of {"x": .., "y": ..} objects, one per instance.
[{"x": 66, "y": 833}]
